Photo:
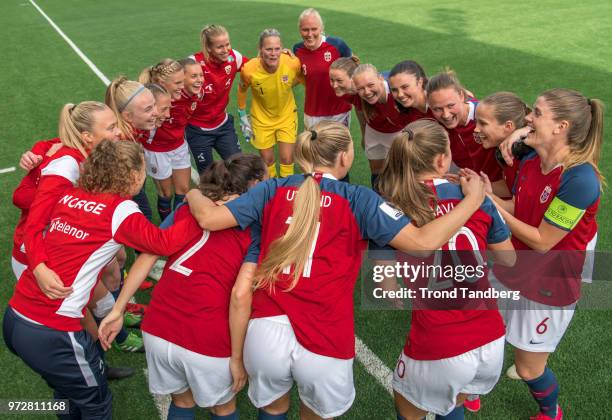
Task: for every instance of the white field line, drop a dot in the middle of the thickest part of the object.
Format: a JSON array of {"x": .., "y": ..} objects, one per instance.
[
  {"x": 372, "y": 363},
  {"x": 7, "y": 170}
]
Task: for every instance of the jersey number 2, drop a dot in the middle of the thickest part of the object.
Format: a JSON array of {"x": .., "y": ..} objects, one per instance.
[{"x": 177, "y": 264}]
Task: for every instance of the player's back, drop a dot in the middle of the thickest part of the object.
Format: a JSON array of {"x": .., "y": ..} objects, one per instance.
[
  {"x": 190, "y": 303},
  {"x": 455, "y": 323}
]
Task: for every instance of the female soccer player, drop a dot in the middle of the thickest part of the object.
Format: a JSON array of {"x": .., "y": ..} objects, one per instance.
[
  {"x": 316, "y": 53},
  {"x": 188, "y": 316},
  {"x": 455, "y": 110},
  {"x": 166, "y": 151},
  {"x": 497, "y": 117},
  {"x": 554, "y": 207},
  {"x": 137, "y": 115},
  {"x": 210, "y": 125},
  {"x": 313, "y": 232},
  {"x": 383, "y": 121},
  {"x": 407, "y": 81},
  {"x": 453, "y": 348},
  {"x": 340, "y": 75},
  {"x": 271, "y": 77},
  {"x": 89, "y": 224}
]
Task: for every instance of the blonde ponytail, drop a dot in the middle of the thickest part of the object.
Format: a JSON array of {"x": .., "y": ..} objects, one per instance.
[{"x": 74, "y": 120}]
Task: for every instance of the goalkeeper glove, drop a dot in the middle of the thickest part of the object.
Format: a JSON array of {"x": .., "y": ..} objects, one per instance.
[{"x": 245, "y": 125}]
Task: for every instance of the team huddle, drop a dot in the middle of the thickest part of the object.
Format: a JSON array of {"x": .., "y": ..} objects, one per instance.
[{"x": 262, "y": 262}]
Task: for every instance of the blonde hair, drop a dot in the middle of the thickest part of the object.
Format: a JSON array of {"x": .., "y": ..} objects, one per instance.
[
  {"x": 369, "y": 110},
  {"x": 119, "y": 95},
  {"x": 112, "y": 167},
  {"x": 74, "y": 120},
  {"x": 585, "y": 118},
  {"x": 507, "y": 106},
  {"x": 268, "y": 33},
  {"x": 318, "y": 147},
  {"x": 346, "y": 64},
  {"x": 157, "y": 90},
  {"x": 311, "y": 12},
  {"x": 412, "y": 153},
  {"x": 160, "y": 72},
  {"x": 208, "y": 32}
]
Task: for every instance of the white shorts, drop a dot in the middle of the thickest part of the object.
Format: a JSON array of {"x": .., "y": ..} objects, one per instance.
[
  {"x": 161, "y": 164},
  {"x": 535, "y": 327},
  {"x": 344, "y": 118},
  {"x": 18, "y": 268},
  {"x": 274, "y": 359},
  {"x": 532, "y": 326},
  {"x": 377, "y": 144},
  {"x": 433, "y": 385},
  {"x": 174, "y": 369}
]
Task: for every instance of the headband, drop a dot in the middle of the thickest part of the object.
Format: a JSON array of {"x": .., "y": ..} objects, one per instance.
[{"x": 132, "y": 96}]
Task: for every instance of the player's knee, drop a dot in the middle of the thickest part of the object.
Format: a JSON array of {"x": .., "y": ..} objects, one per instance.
[
  {"x": 278, "y": 407},
  {"x": 224, "y": 409},
  {"x": 528, "y": 372}
]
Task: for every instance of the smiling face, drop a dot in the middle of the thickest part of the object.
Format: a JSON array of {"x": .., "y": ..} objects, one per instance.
[
  {"x": 270, "y": 52},
  {"x": 407, "y": 90},
  {"x": 543, "y": 124},
  {"x": 370, "y": 87},
  {"x": 311, "y": 31},
  {"x": 142, "y": 112},
  {"x": 219, "y": 47},
  {"x": 194, "y": 79},
  {"x": 174, "y": 83},
  {"x": 489, "y": 132},
  {"x": 104, "y": 127},
  {"x": 340, "y": 82},
  {"x": 163, "y": 103},
  {"x": 448, "y": 107}
]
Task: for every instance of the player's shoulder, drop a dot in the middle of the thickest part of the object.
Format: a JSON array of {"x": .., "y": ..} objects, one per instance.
[
  {"x": 338, "y": 43},
  {"x": 581, "y": 180},
  {"x": 446, "y": 190},
  {"x": 297, "y": 47}
]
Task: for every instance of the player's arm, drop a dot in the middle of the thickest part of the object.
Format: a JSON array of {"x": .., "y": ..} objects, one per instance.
[
  {"x": 436, "y": 233},
  {"x": 113, "y": 322},
  {"x": 502, "y": 253},
  {"x": 207, "y": 213},
  {"x": 579, "y": 189},
  {"x": 239, "y": 315}
]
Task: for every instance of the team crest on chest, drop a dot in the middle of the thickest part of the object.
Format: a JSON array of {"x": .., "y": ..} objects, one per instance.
[
  {"x": 327, "y": 56},
  {"x": 285, "y": 78},
  {"x": 545, "y": 194},
  {"x": 228, "y": 69},
  {"x": 194, "y": 105}
]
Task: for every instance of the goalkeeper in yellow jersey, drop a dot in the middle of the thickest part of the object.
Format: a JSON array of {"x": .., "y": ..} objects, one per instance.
[{"x": 273, "y": 116}]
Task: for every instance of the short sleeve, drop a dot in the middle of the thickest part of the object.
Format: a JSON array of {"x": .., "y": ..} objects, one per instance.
[
  {"x": 498, "y": 231},
  {"x": 578, "y": 190},
  {"x": 253, "y": 251},
  {"x": 378, "y": 221},
  {"x": 341, "y": 46},
  {"x": 248, "y": 208}
]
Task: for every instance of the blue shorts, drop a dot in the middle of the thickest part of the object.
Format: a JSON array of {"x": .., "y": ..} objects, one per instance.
[
  {"x": 201, "y": 142},
  {"x": 69, "y": 362}
]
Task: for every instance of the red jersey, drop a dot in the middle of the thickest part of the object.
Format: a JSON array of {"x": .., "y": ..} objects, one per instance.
[
  {"x": 449, "y": 330},
  {"x": 190, "y": 304},
  {"x": 469, "y": 154},
  {"x": 386, "y": 117},
  {"x": 320, "y": 99},
  {"x": 24, "y": 194},
  {"x": 568, "y": 200},
  {"x": 509, "y": 173},
  {"x": 57, "y": 174},
  {"x": 170, "y": 135},
  {"x": 218, "y": 78},
  {"x": 85, "y": 233},
  {"x": 320, "y": 307}
]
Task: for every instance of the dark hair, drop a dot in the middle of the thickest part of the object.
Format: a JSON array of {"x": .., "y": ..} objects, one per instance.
[
  {"x": 410, "y": 67},
  {"x": 445, "y": 80},
  {"x": 156, "y": 89},
  {"x": 232, "y": 175},
  {"x": 188, "y": 61}
]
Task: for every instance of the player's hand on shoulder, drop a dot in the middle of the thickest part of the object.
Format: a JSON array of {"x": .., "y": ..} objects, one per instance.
[
  {"x": 50, "y": 283},
  {"x": 239, "y": 374},
  {"x": 506, "y": 146},
  {"x": 29, "y": 161},
  {"x": 473, "y": 187},
  {"x": 109, "y": 328}
]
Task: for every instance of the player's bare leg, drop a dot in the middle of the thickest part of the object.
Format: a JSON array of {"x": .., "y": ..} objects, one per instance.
[
  {"x": 406, "y": 409},
  {"x": 111, "y": 276},
  {"x": 224, "y": 409},
  {"x": 280, "y": 406},
  {"x": 181, "y": 179},
  {"x": 285, "y": 155},
  {"x": 307, "y": 414},
  {"x": 376, "y": 166},
  {"x": 183, "y": 400},
  {"x": 530, "y": 365},
  {"x": 268, "y": 157}
]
